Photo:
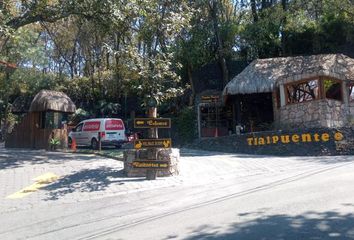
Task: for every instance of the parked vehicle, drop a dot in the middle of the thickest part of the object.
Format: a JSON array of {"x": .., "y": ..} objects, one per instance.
[{"x": 111, "y": 131}]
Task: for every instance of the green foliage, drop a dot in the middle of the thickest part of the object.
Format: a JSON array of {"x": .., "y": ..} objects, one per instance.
[
  {"x": 100, "y": 51},
  {"x": 262, "y": 38},
  {"x": 186, "y": 125},
  {"x": 54, "y": 142},
  {"x": 79, "y": 115},
  {"x": 31, "y": 81},
  {"x": 107, "y": 109}
]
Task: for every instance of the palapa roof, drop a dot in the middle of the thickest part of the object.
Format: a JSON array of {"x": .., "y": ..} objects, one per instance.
[
  {"x": 47, "y": 100},
  {"x": 262, "y": 75}
]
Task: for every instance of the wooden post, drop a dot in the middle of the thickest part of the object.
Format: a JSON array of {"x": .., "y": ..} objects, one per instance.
[
  {"x": 199, "y": 121},
  {"x": 99, "y": 142},
  {"x": 151, "y": 174},
  {"x": 216, "y": 120}
]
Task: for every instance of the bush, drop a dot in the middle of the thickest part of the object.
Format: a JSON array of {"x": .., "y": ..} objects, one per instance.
[
  {"x": 54, "y": 143},
  {"x": 186, "y": 125}
]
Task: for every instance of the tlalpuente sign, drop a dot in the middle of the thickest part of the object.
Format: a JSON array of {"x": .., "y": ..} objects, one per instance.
[{"x": 294, "y": 138}]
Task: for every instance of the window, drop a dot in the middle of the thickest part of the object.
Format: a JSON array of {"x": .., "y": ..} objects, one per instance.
[
  {"x": 51, "y": 120},
  {"x": 332, "y": 89},
  {"x": 320, "y": 88},
  {"x": 302, "y": 92},
  {"x": 79, "y": 127}
]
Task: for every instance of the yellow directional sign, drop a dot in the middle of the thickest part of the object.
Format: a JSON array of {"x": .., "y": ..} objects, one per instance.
[
  {"x": 150, "y": 164},
  {"x": 153, "y": 143},
  {"x": 152, "y": 123}
]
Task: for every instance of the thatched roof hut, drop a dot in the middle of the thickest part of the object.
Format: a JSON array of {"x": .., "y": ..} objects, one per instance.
[
  {"x": 47, "y": 100},
  {"x": 262, "y": 75}
]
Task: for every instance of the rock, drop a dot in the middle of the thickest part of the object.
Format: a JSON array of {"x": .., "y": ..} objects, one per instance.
[{"x": 169, "y": 155}]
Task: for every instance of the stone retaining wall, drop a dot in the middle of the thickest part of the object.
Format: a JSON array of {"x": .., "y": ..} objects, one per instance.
[
  {"x": 169, "y": 155},
  {"x": 317, "y": 113},
  {"x": 296, "y": 143}
]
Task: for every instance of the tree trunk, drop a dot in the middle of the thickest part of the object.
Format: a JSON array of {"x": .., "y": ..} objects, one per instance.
[
  {"x": 6, "y": 106},
  {"x": 221, "y": 57},
  {"x": 254, "y": 10},
  {"x": 190, "y": 78},
  {"x": 117, "y": 75},
  {"x": 284, "y": 35}
]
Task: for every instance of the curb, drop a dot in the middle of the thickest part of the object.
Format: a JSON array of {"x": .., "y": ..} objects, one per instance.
[{"x": 95, "y": 153}]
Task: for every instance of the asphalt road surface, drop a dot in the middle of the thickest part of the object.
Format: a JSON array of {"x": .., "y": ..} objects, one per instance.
[
  {"x": 314, "y": 205},
  {"x": 217, "y": 196}
]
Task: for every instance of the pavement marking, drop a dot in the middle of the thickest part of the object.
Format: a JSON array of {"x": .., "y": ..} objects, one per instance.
[{"x": 40, "y": 181}]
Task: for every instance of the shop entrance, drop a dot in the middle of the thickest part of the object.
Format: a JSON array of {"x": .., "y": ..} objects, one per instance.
[
  {"x": 253, "y": 112},
  {"x": 215, "y": 120}
]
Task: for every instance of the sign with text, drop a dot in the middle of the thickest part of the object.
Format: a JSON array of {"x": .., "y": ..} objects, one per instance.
[
  {"x": 210, "y": 99},
  {"x": 152, "y": 123},
  {"x": 294, "y": 138},
  {"x": 92, "y": 126},
  {"x": 114, "y": 124},
  {"x": 152, "y": 143},
  {"x": 150, "y": 164}
]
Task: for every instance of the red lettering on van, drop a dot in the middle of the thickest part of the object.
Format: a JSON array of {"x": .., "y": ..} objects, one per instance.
[
  {"x": 114, "y": 125},
  {"x": 92, "y": 126}
]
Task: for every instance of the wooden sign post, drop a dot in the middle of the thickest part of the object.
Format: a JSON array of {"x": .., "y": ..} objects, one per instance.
[
  {"x": 152, "y": 123},
  {"x": 152, "y": 143},
  {"x": 151, "y": 174},
  {"x": 151, "y": 164}
]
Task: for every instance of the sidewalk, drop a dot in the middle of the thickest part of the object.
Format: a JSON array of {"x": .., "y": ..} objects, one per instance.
[{"x": 82, "y": 177}]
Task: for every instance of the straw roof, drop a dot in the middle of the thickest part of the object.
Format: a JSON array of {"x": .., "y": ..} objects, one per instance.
[
  {"x": 262, "y": 75},
  {"x": 47, "y": 100}
]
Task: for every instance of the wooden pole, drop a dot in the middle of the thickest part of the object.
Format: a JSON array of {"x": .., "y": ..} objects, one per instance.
[
  {"x": 151, "y": 174},
  {"x": 99, "y": 142}
]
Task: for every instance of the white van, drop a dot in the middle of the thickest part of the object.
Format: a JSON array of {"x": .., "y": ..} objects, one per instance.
[{"x": 111, "y": 130}]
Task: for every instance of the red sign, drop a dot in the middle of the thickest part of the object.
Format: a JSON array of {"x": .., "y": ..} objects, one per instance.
[
  {"x": 114, "y": 125},
  {"x": 92, "y": 126}
]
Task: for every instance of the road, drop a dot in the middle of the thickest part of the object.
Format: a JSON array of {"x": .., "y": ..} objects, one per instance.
[
  {"x": 317, "y": 205},
  {"x": 217, "y": 196}
]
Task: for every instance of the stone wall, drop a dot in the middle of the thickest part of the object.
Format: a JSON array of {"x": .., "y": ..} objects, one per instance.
[
  {"x": 322, "y": 141},
  {"x": 317, "y": 113},
  {"x": 351, "y": 113},
  {"x": 169, "y": 155}
]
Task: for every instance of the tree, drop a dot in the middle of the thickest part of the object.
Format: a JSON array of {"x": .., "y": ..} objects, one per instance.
[{"x": 212, "y": 36}]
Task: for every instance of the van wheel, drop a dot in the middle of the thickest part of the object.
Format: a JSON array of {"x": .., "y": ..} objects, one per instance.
[{"x": 94, "y": 144}]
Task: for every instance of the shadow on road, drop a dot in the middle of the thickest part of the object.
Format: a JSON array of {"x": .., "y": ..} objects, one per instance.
[
  {"x": 15, "y": 158},
  {"x": 326, "y": 159},
  {"x": 310, "y": 226},
  {"x": 316, "y": 159},
  {"x": 199, "y": 153},
  {"x": 86, "y": 180}
]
